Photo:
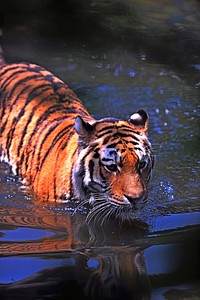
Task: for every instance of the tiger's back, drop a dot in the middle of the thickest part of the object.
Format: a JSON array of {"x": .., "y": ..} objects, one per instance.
[{"x": 37, "y": 112}]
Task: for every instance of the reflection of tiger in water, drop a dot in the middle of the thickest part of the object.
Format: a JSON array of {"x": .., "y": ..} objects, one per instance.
[{"x": 52, "y": 142}]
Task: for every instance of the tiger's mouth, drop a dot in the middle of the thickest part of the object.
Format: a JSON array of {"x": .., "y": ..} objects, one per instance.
[
  {"x": 131, "y": 202},
  {"x": 103, "y": 208}
]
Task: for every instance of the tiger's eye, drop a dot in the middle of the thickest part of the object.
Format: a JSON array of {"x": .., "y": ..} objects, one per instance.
[
  {"x": 111, "y": 168},
  {"x": 142, "y": 164}
]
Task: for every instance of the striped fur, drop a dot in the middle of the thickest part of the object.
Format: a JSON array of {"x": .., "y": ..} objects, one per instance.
[{"x": 53, "y": 143}]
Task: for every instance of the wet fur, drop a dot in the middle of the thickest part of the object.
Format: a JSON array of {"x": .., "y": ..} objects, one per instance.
[{"x": 52, "y": 142}]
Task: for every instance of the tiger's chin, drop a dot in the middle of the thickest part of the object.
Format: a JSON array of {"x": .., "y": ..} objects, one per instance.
[{"x": 102, "y": 209}]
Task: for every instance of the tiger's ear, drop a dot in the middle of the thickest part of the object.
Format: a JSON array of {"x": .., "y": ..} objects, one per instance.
[
  {"x": 140, "y": 119},
  {"x": 83, "y": 129}
]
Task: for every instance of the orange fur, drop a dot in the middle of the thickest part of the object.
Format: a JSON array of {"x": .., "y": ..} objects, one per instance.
[{"x": 53, "y": 143}]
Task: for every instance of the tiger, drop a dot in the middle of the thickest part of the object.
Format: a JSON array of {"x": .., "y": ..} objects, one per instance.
[{"x": 63, "y": 153}]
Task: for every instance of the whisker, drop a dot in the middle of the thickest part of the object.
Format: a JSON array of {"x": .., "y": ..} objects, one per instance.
[
  {"x": 101, "y": 210},
  {"x": 94, "y": 212},
  {"x": 82, "y": 203},
  {"x": 97, "y": 210},
  {"x": 102, "y": 215},
  {"x": 108, "y": 213}
]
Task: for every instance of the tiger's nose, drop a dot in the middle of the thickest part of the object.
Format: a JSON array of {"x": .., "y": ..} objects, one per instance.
[{"x": 134, "y": 200}]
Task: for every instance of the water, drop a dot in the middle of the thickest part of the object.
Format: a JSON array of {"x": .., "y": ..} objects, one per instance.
[{"x": 139, "y": 55}]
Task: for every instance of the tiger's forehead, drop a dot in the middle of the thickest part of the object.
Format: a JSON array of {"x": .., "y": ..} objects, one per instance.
[
  {"x": 112, "y": 124},
  {"x": 121, "y": 130},
  {"x": 122, "y": 146},
  {"x": 117, "y": 151},
  {"x": 119, "y": 141}
]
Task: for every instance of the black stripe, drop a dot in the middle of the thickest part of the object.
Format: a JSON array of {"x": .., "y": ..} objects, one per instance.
[
  {"x": 57, "y": 138},
  {"x": 11, "y": 68},
  {"x": 104, "y": 133},
  {"x": 96, "y": 155},
  {"x": 38, "y": 123},
  {"x": 80, "y": 111},
  {"x": 22, "y": 82},
  {"x": 19, "y": 82},
  {"x": 118, "y": 134},
  {"x": 52, "y": 109},
  {"x": 114, "y": 138},
  {"x": 16, "y": 99},
  {"x": 54, "y": 177},
  {"x": 107, "y": 159},
  {"x": 113, "y": 145},
  {"x": 13, "y": 125},
  {"x": 5, "y": 106},
  {"x": 128, "y": 129},
  {"x": 90, "y": 149},
  {"x": 40, "y": 164},
  {"x": 106, "y": 128},
  {"x": 52, "y": 128},
  {"x": 42, "y": 118},
  {"x": 137, "y": 148},
  {"x": 79, "y": 178},
  {"x": 96, "y": 187},
  {"x": 38, "y": 90},
  {"x": 91, "y": 169},
  {"x": 121, "y": 128},
  {"x": 54, "y": 185},
  {"x": 100, "y": 171},
  {"x": 81, "y": 172},
  {"x": 71, "y": 195},
  {"x": 30, "y": 117},
  {"x": 29, "y": 160},
  {"x": 131, "y": 133},
  {"x": 9, "y": 141},
  {"x": 96, "y": 151},
  {"x": 124, "y": 135},
  {"x": 105, "y": 141},
  {"x": 33, "y": 68},
  {"x": 132, "y": 142},
  {"x": 71, "y": 133}
]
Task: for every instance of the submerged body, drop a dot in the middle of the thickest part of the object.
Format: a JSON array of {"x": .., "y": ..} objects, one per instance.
[{"x": 52, "y": 142}]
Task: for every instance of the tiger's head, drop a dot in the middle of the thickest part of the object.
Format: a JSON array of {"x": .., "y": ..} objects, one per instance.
[{"x": 114, "y": 163}]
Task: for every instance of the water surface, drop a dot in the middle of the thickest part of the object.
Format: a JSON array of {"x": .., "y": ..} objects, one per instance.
[{"x": 141, "y": 55}]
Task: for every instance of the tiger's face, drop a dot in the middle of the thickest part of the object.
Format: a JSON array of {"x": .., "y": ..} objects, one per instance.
[{"x": 114, "y": 163}]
